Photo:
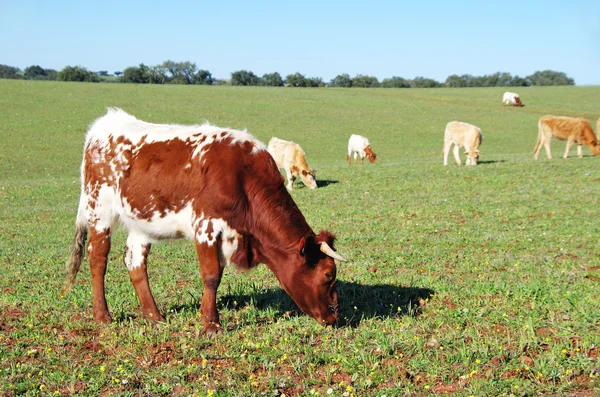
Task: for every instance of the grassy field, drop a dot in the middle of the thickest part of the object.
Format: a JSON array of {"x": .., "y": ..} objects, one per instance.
[{"x": 478, "y": 281}]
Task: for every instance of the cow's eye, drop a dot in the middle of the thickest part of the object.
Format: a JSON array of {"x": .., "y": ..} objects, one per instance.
[{"x": 329, "y": 276}]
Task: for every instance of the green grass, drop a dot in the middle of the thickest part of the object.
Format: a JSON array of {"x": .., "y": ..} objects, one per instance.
[{"x": 465, "y": 280}]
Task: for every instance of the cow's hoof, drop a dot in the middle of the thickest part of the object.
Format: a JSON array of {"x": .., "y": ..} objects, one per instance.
[
  {"x": 213, "y": 330},
  {"x": 103, "y": 318}
]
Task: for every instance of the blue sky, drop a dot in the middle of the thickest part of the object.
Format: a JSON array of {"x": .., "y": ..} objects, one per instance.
[{"x": 316, "y": 38}]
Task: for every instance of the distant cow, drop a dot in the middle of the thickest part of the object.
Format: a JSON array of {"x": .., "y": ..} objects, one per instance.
[
  {"x": 215, "y": 186},
  {"x": 360, "y": 146},
  {"x": 290, "y": 156},
  {"x": 464, "y": 135},
  {"x": 570, "y": 129},
  {"x": 511, "y": 98}
]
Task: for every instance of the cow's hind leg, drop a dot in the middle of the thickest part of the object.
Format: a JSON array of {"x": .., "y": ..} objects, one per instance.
[
  {"x": 579, "y": 150},
  {"x": 98, "y": 248},
  {"x": 211, "y": 272},
  {"x": 135, "y": 258}
]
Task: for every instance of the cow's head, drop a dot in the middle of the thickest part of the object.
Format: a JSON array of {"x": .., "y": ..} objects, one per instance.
[
  {"x": 518, "y": 101},
  {"x": 309, "y": 178},
  {"x": 596, "y": 148},
  {"x": 312, "y": 285},
  {"x": 472, "y": 157},
  {"x": 371, "y": 154}
]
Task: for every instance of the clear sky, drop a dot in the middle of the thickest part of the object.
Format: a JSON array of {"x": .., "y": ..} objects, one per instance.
[{"x": 432, "y": 39}]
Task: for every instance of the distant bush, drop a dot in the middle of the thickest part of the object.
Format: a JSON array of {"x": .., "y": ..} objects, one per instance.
[
  {"x": 365, "y": 81},
  {"x": 272, "y": 80},
  {"x": 550, "y": 77},
  {"x": 36, "y": 72},
  {"x": 341, "y": 80},
  {"x": 9, "y": 72},
  {"x": 244, "y": 77},
  {"x": 77, "y": 73},
  {"x": 395, "y": 82}
]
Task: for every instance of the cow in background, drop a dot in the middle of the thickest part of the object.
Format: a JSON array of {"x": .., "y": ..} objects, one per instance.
[
  {"x": 290, "y": 156},
  {"x": 215, "y": 186},
  {"x": 464, "y": 135},
  {"x": 360, "y": 146},
  {"x": 570, "y": 129},
  {"x": 511, "y": 98}
]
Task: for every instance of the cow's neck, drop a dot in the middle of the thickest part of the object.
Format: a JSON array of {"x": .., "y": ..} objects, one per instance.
[{"x": 278, "y": 225}]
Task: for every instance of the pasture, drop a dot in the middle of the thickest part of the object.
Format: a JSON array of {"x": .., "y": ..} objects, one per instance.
[{"x": 478, "y": 281}]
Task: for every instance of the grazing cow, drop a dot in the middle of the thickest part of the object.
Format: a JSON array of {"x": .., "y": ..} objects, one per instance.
[
  {"x": 511, "y": 98},
  {"x": 360, "y": 146},
  {"x": 464, "y": 135},
  {"x": 290, "y": 156},
  {"x": 218, "y": 187},
  {"x": 570, "y": 129}
]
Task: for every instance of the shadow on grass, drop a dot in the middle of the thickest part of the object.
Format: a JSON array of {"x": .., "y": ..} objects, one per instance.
[
  {"x": 357, "y": 302},
  {"x": 490, "y": 161},
  {"x": 325, "y": 183}
]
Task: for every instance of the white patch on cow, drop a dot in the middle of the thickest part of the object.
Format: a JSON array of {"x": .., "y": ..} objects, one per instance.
[
  {"x": 100, "y": 211},
  {"x": 136, "y": 250},
  {"x": 219, "y": 229},
  {"x": 173, "y": 224}
]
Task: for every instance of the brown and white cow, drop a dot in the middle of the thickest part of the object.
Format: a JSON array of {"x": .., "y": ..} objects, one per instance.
[
  {"x": 360, "y": 146},
  {"x": 464, "y": 135},
  {"x": 290, "y": 156},
  {"x": 570, "y": 129},
  {"x": 218, "y": 187}
]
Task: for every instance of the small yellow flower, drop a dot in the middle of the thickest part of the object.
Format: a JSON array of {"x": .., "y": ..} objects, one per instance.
[
  {"x": 102, "y": 368},
  {"x": 564, "y": 351},
  {"x": 254, "y": 383}
]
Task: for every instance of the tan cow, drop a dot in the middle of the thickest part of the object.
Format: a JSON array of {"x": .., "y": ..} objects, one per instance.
[
  {"x": 464, "y": 135},
  {"x": 570, "y": 129},
  {"x": 290, "y": 156}
]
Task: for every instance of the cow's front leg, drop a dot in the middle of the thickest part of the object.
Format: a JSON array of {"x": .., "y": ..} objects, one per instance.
[
  {"x": 579, "y": 151},
  {"x": 456, "y": 154},
  {"x": 211, "y": 271},
  {"x": 135, "y": 258},
  {"x": 568, "y": 148},
  {"x": 98, "y": 248},
  {"x": 290, "y": 179}
]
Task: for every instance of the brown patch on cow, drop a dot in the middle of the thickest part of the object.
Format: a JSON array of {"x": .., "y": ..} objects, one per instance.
[{"x": 158, "y": 180}]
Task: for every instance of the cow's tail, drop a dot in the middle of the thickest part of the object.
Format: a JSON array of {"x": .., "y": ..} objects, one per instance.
[{"x": 77, "y": 249}]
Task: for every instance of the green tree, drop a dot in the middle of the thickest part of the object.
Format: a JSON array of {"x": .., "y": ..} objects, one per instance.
[
  {"x": 77, "y": 73},
  {"x": 423, "y": 82},
  {"x": 244, "y": 77},
  {"x": 203, "y": 77},
  {"x": 272, "y": 79},
  {"x": 136, "y": 74},
  {"x": 9, "y": 72},
  {"x": 456, "y": 81},
  {"x": 295, "y": 80},
  {"x": 550, "y": 77},
  {"x": 314, "y": 82},
  {"x": 156, "y": 74},
  {"x": 341, "y": 80},
  {"x": 180, "y": 72},
  {"x": 35, "y": 72},
  {"x": 395, "y": 82},
  {"x": 365, "y": 81}
]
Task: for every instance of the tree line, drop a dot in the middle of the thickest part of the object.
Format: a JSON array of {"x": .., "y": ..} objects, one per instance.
[{"x": 170, "y": 72}]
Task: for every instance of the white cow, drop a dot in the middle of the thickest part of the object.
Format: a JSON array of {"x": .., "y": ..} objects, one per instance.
[
  {"x": 290, "y": 156},
  {"x": 464, "y": 135},
  {"x": 511, "y": 98},
  {"x": 360, "y": 146}
]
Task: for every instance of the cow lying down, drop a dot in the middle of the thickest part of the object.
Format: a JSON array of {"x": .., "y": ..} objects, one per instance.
[{"x": 219, "y": 188}]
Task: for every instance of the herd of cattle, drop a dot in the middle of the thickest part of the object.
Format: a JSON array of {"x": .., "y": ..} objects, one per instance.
[{"x": 222, "y": 189}]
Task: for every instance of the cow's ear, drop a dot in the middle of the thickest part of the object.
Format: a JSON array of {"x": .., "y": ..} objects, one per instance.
[
  {"x": 304, "y": 243},
  {"x": 304, "y": 172}
]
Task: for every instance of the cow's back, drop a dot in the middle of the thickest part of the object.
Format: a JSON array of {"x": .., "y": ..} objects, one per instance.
[
  {"x": 562, "y": 127},
  {"x": 153, "y": 177}
]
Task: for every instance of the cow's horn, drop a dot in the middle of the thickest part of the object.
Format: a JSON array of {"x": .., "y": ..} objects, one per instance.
[{"x": 327, "y": 250}]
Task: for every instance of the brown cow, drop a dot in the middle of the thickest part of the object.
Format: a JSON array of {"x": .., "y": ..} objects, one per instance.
[
  {"x": 218, "y": 187},
  {"x": 573, "y": 130}
]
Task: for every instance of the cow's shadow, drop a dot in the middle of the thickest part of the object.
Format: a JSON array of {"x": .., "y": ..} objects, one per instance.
[
  {"x": 357, "y": 302},
  {"x": 325, "y": 183},
  {"x": 490, "y": 161}
]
